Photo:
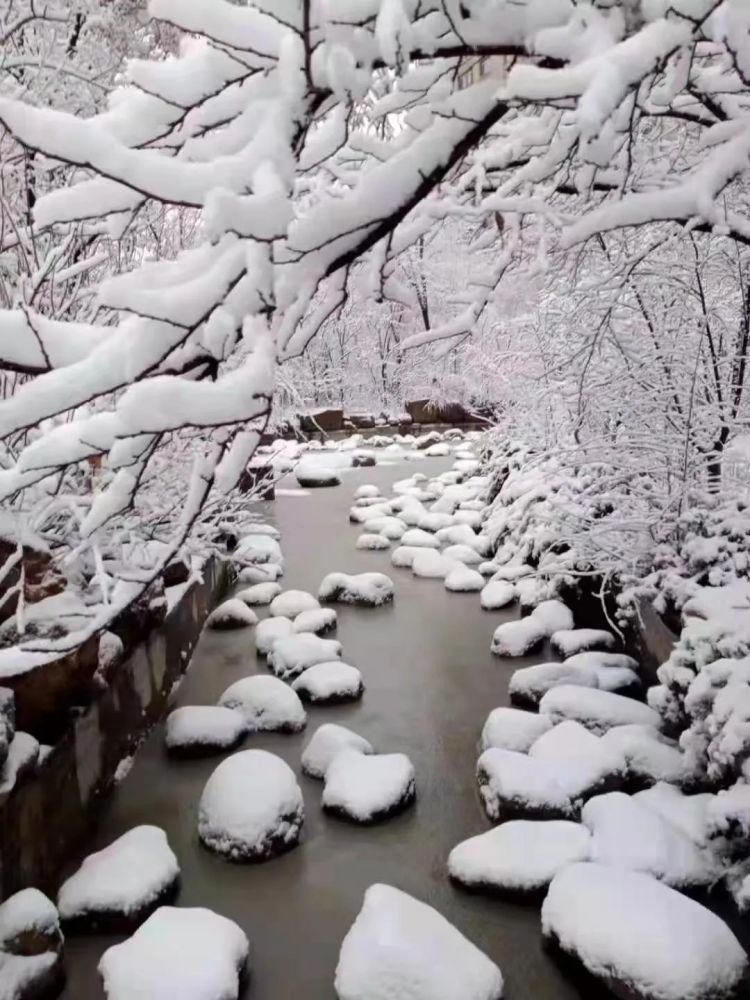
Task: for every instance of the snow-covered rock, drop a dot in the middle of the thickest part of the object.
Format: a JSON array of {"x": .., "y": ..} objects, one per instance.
[
  {"x": 233, "y": 613},
  {"x": 195, "y": 730},
  {"x": 513, "y": 729},
  {"x": 434, "y": 521},
  {"x": 438, "y": 450},
  {"x": 595, "y": 709},
  {"x": 610, "y": 921},
  {"x": 366, "y": 491},
  {"x": 601, "y": 660},
  {"x": 553, "y": 616},
  {"x": 190, "y": 954},
  {"x": 420, "y": 539},
  {"x": 371, "y": 542},
  {"x": 329, "y": 683},
  {"x": 391, "y": 527},
  {"x": 403, "y": 556},
  {"x": 259, "y": 594},
  {"x": 401, "y": 949},
  {"x": 318, "y": 621},
  {"x": 266, "y": 703},
  {"x": 687, "y": 813},
  {"x": 368, "y": 788},
  {"x": 251, "y": 808},
  {"x": 464, "y": 579},
  {"x": 258, "y": 549},
  {"x": 521, "y": 856},
  {"x": 269, "y": 630},
  {"x": 364, "y": 589},
  {"x": 460, "y": 534},
  {"x": 290, "y": 603},
  {"x": 268, "y": 573},
  {"x": 327, "y": 741},
  {"x": 465, "y": 554},
  {"x": 31, "y": 947},
  {"x": 649, "y": 755},
  {"x": 569, "y": 641},
  {"x": 123, "y": 883},
  {"x": 313, "y": 476},
  {"x": 292, "y": 654},
  {"x": 430, "y": 564},
  {"x": 518, "y": 638},
  {"x": 625, "y": 833},
  {"x": 22, "y": 759},
  {"x": 528, "y": 685},
  {"x": 497, "y": 594}
]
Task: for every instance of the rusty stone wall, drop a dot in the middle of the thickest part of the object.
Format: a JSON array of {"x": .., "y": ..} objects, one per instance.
[{"x": 48, "y": 816}]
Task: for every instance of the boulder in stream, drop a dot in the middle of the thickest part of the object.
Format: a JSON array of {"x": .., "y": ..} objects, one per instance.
[
  {"x": 292, "y": 654},
  {"x": 364, "y": 589},
  {"x": 199, "y": 730},
  {"x": 266, "y": 703},
  {"x": 31, "y": 947},
  {"x": 368, "y": 788},
  {"x": 329, "y": 683},
  {"x": 233, "y": 613},
  {"x": 327, "y": 741},
  {"x": 290, "y": 603}
]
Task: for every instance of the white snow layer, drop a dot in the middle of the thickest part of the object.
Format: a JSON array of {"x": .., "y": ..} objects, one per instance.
[
  {"x": 290, "y": 603},
  {"x": 327, "y": 741},
  {"x": 597, "y": 710},
  {"x": 269, "y": 630},
  {"x": 125, "y": 877},
  {"x": 204, "y": 725},
  {"x": 259, "y": 593},
  {"x": 497, "y": 594},
  {"x": 627, "y": 927},
  {"x": 318, "y": 621},
  {"x": 368, "y": 589},
  {"x": 292, "y": 654},
  {"x": 401, "y": 949},
  {"x": 266, "y": 703},
  {"x": 233, "y": 613},
  {"x": 331, "y": 681},
  {"x": 513, "y": 729},
  {"x": 193, "y": 954},
  {"x": 464, "y": 580},
  {"x": 518, "y": 638},
  {"x": 568, "y": 642},
  {"x": 365, "y": 788}
]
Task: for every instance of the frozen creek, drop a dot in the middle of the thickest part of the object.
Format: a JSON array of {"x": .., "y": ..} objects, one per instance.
[{"x": 430, "y": 683}]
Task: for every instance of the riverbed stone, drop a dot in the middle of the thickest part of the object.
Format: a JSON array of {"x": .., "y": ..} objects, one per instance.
[
  {"x": 366, "y": 788},
  {"x": 201, "y": 730},
  {"x": 31, "y": 947},
  {"x": 330, "y": 683}
]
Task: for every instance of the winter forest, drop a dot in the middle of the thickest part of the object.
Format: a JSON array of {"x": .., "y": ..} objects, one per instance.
[{"x": 413, "y": 332}]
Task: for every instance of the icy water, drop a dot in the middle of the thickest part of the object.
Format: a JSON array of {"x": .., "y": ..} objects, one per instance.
[{"x": 430, "y": 682}]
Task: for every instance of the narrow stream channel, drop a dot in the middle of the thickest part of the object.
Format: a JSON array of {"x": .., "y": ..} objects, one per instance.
[{"x": 430, "y": 682}]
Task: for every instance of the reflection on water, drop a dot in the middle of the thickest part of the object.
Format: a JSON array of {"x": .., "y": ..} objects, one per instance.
[{"x": 430, "y": 682}]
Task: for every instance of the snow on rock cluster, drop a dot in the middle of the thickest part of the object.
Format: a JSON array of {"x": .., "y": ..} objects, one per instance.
[{"x": 31, "y": 947}]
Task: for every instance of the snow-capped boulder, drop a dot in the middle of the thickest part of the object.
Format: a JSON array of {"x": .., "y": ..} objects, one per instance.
[
  {"x": 372, "y": 542},
  {"x": 311, "y": 475},
  {"x": 518, "y": 638},
  {"x": 366, "y": 491},
  {"x": 513, "y": 729},
  {"x": 368, "y": 788},
  {"x": 625, "y": 833},
  {"x": 518, "y": 786},
  {"x": 259, "y": 593},
  {"x": 497, "y": 594},
  {"x": 251, "y": 808},
  {"x": 233, "y": 613},
  {"x": 429, "y": 564},
  {"x": 119, "y": 886},
  {"x": 687, "y": 813},
  {"x": 403, "y": 556},
  {"x": 269, "y": 630},
  {"x": 290, "y": 603},
  {"x": 519, "y": 857},
  {"x": 528, "y": 685},
  {"x": 31, "y": 947},
  {"x": 268, "y": 573},
  {"x": 391, "y": 527},
  {"x": 363, "y": 589},
  {"x": 197, "y": 730},
  {"x": 258, "y": 548},
  {"x": 185, "y": 953},
  {"x": 327, "y": 741},
  {"x": 601, "y": 660},
  {"x": 329, "y": 683},
  {"x": 610, "y": 921},
  {"x": 399, "y": 948},
  {"x": 21, "y": 760},
  {"x": 292, "y": 654},
  {"x": 319, "y": 621},
  {"x": 649, "y": 755},
  {"x": 266, "y": 703},
  {"x": 464, "y": 580},
  {"x": 438, "y": 450},
  {"x": 434, "y": 521},
  {"x": 419, "y": 539},
  {"x": 567, "y": 642},
  {"x": 595, "y": 709},
  {"x": 552, "y": 616},
  {"x": 465, "y": 554}
]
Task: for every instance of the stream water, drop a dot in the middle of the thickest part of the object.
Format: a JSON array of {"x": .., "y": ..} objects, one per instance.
[{"x": 430, "y": 682}]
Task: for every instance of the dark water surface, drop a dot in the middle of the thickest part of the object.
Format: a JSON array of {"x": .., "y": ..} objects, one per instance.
[{"x": 430, "y": 682}]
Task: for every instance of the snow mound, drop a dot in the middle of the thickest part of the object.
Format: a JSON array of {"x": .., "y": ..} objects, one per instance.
[
  {"x": 516, "y": 786},
  {"x": 513, "y": 729},
  {"x": 329, "y": 683},
  {"x": 687, "y": 813},
  {"x": 528, "y": 685},
  {"x": 403, "y": 556},
  {"x": 25, "y": 913},
  {"x": 625, "y": 833},
  {"x": 464, "y": 579},
  {"x": 419, "y": 539},
  {"x": 312, "y": 476},
  {"x": 259, "y": 593},
  {"x": 292, "y": 654},
  {"x": 31, "y": 947},
  {"x": 368, "y": 788},
  {"x": 434, "y": 521},
  {"x": 373, "y": 543},
  {"x": 401, "y": 949},
  {"x": 327, "y": 741},
  {"x": 553, "y": 616},
  {"x": 365, "y": 589},
  {"x": 258, "y": 549},
  {"x": 609, "y": 921},
  {"x": 193, "y": 954},
  {"x": 521, "y": 856},
  {"x": 497, "y": 594},
  {"x": 648, "y": 754},
  {"x": 203, "y": 729},
  {"x": 251, "y": 808},
  {"x": 266, "y": 703},
  {"x": 260, "y": 574},
  {"x": 518, "y": 638},
  {"x": 569, "y": 641},
  {"x": 460, "y": 534},
  {"x": 391, "y": 527},
  {"x": 601, "y": 660},
  {"x": 318, "y": 621},
  {"x": 123, "y": 883},
  {"x": 233, "y": 613},
  {"x": 366, "y": 491},
  {"x": 290, "y": 603},
  {"x": 269, "y": 630},
  {"x": 429, "y": 564},
  {"x": 597, "y": 710},
  {"x": 465, "y": 554}
]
